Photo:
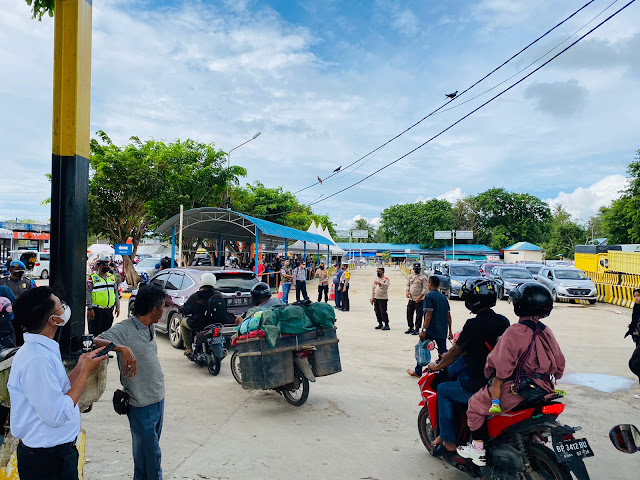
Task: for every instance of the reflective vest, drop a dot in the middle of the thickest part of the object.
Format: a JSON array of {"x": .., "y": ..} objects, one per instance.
[{"x": 104, "y": 290}]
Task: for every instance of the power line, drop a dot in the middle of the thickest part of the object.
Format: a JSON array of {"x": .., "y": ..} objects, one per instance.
[
  {"x": 455, "y": 98},
  {"x": 478, "y": 108}
]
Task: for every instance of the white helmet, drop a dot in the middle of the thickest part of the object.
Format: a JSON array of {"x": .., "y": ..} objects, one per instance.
[{"x": 208, "y": 279}]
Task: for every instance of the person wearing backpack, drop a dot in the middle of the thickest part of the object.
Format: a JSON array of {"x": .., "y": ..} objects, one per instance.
[
  {"x": 195, "y": 310},
  {"x": 526, "y": 362}
]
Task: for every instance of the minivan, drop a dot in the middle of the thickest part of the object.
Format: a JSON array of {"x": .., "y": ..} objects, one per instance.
[{"x": 36, "y": 263}]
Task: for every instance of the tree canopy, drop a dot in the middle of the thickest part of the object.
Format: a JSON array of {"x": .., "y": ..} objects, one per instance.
[
  {"x": 416, "y": 222},
  {"x": 621, "y": 219},
  {"x": 40, "y": 7},
  {"x": 564, "y": 235}
]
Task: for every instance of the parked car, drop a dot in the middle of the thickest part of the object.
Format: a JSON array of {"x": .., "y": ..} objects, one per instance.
[
  {"x": 457, "y": 273},
  {"x": 486, "y": 268},
  {"x": 534, "y": 268},
  {"x": 147, "y": 265},
  {"x": 568, "y": 283},
  {"x": 507, "y": 277},
  {"x": 234, "y": 284},
  {"x": 36, "y": 263}
]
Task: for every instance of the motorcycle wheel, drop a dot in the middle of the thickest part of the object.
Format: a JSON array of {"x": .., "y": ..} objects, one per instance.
[
  {"x": 425, "y": 429},
  {"x": 297, "y": 392},
  {"x": 544, "y": 465},
  {"x": 214, "y": 367},
  {"x": 236, "y": 370}
]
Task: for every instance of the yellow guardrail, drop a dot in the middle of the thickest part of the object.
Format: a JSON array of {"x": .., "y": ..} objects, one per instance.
[{"x": 405, "y": 270}]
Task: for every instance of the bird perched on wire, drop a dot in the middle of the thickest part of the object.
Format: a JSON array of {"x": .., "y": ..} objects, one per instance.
[
  {"x": 452, "y": 95},
  {"x": 320, "y": 180},
  {"x": 337, "y": 169}
]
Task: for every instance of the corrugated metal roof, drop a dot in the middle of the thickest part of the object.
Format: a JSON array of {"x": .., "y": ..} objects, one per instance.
[
  {"x": 277, "y": 230},
  {"x": 525, "y": 246},
  {"x": 380, "y": 246},
  {"x": 463, "y": 247}
]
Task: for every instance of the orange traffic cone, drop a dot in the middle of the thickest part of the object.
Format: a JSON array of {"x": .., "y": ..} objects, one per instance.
[
  {"x": 280, "y": 292},
  {"x": 332, "y": 293}
]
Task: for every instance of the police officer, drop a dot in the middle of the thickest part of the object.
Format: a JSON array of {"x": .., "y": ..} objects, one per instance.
[
  {"x": 18, "y": 283},
  {"x": 102, "y": 296},
  {"x": 417, "y": 288}
]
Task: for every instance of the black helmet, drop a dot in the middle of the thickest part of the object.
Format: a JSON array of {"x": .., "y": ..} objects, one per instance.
[
  {"x": 531, "y": 299},
  {"x": 259, "y": 291},
  {"x": 417, "y": 265},
  {"x": 478, "y": 294}
]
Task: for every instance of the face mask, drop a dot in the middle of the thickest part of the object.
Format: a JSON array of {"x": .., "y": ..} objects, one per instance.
[
  {"x": 321, "y": 267},
  {"x": 66, "y": 315},
  {"x": 417, "y": 270},
  {"x": 105, "y": 269},
  {"x": 380, "y": 274},
  {"x": 17, "y": 273}
]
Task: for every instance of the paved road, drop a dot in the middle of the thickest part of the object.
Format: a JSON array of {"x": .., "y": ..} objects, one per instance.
[{"x": 361, "y": 423}]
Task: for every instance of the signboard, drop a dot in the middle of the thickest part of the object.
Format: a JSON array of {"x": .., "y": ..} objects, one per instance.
[
  {"x": 342, "y": 233},
  {"x": 442, "y": 234},
  {"x": 407, "y": 250},
  {"x": 464, "y": 234},
  {"x": 493, "y": 258},
  {"x": 359, "y": 233},
  {"x": 123, "y": 249}
]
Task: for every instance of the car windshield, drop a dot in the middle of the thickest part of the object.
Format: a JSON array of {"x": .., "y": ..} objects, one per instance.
[
  {"x": 533, "y": 268},
  {"x": 570, "y": 275},
  {"x": 148, "y": 262},
  {"x": 521, "y": 273},
  {"x": 235, "y": 282},
  {"x": 464, "y": 271}
]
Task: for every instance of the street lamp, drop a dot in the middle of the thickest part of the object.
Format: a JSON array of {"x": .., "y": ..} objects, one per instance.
[{"x": 229, "y": 165}]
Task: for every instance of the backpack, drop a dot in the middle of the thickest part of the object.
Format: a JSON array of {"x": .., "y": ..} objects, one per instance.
[{"x": 216, "y": 310}]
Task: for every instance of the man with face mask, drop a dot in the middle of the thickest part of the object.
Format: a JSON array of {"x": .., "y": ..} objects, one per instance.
[
  {"x": 417, "y": 288},
  {"x": 380, "y": 298},
  {"x": 102, "y": 297},
  {"x": 18, "y": 283},
  {"x": 323, "y": 283},
  {"x": 44, "y": 399}
]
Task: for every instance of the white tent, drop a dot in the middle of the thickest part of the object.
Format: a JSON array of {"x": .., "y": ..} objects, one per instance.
[{"x": 312, "y": 248}]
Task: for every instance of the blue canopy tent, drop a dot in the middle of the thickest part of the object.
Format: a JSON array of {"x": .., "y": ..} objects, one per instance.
[{"x": 223, "y": 224}]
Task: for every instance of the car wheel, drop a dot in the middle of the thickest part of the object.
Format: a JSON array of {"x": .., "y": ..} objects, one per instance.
[
  {"x": 592, "y": 302},
  {"x": 173, "y": 328},
  {"x": 44, "y": 275}
]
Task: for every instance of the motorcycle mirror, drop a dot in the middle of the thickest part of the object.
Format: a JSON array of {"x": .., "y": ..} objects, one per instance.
[{"x": 625, "y": 438}]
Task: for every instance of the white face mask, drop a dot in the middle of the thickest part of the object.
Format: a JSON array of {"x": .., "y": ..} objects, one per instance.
[{"x": 66, "y": 315}]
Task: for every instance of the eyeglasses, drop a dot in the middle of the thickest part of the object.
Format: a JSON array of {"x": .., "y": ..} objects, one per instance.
[{"x": 63, "y": 305}]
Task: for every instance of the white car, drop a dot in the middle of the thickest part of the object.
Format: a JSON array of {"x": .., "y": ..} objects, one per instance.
[
  {"x": 147, "y": 265},
  {"x": 568, "y": 283},
  {"x": 36, "y": 263}
]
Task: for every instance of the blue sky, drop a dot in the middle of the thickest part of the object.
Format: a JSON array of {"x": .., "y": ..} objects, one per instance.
[{"x": 326, "y": 81}]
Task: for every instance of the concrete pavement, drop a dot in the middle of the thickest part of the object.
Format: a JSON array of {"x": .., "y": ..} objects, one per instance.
[{"x": 362, "y": 422}]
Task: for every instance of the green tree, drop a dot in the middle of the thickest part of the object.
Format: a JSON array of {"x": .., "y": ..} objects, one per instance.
[
  {"x": 364, "y": 224},
  {"x": 40, "y": 7},
  {"x": 564, "y": 236},
  {"x": 416, "y": 222}
]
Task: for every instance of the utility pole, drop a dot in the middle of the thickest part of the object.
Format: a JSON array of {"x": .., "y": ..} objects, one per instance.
[{"x": 70, "y": 163}]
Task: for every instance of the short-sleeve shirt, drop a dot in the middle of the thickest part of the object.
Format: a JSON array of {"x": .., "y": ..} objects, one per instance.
[
  {"x": 436, "y": 302},
  {"x": 147, "y": 387}
]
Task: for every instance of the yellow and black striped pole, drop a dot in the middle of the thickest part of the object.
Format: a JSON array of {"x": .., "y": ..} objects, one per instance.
[{"x": 70, "y": 162}]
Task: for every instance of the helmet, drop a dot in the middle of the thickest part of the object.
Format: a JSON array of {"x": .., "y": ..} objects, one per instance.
[
  {"x": 478, "y": 294},
  {"x": 531, "y": 299},
  {"x": 417, "y": 265},
  {"x": 17, "y": 263},
  {"x": 5, "y": 306},
  {"x": 259, "y": 291},
  {"x": 103, "y": 259},
  {"x": 208, "y": 279}
]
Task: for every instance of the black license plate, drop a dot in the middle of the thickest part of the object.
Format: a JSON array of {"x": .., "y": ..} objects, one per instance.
[{"x": 576, "y": 448}]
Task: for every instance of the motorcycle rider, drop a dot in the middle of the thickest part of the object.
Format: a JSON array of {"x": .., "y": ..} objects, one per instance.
[
  {"x": 194, "y": 310},
  {"x": 261, "y": 298},
  {"x": 526, "y": 360},
  {"x": 469, "y": 353}
]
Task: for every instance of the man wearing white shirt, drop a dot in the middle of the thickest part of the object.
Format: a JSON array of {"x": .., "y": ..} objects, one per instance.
[{"x": 44, "y": 399}]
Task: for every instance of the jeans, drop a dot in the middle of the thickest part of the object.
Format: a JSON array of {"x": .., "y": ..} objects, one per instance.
[
  {"x": 301, "y": 288},
  {"x": 450, "y": 393},
  {"x": 419, "y": 316},
  {"x": 146, "y": 427},
  {"x": 325, "y": 289},
  {"x": 441, "y": 344},
  {"x": 57, "y": 463},
  {"x": 338, "y": 295},
  {"x": 345, "y": 298},
  {"x": 380, "y": 307},
  {"x": 286, "y": 288}
]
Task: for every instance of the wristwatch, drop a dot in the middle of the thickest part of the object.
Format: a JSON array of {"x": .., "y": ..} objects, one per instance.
[{"x": 423, "y": 330}]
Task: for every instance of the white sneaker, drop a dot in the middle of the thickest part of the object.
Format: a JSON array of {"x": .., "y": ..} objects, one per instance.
[{"x": 478, "y": 457}]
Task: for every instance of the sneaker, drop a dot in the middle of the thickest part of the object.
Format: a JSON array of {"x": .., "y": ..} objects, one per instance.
[
  {"x": 379, "y": 327},
  {"x": 409, "y": 331},
  {"x": 495, "y": 408},
  {"x": 416, "y": 332},
  {"x": 478, "y": 457},
  {"x": 386, "y": 327}
]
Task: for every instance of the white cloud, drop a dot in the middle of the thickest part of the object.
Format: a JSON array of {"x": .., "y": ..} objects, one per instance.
[
  {"x": 452, "y": 196},
  {"x": 582, "y": 203},
  {"x": 406, "y": 22}
]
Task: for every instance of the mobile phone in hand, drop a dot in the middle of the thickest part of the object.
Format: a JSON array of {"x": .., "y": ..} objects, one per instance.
[{"x": 106, "y": 350}]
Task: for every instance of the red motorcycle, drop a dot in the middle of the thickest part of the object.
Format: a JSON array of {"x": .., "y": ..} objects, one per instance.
[{"x": 517, "y": 448}]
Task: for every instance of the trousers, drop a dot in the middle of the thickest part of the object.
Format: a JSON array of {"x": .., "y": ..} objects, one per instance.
[
  {"x": 186, "y": 334},
  {"x": 450, "y": 393},
  {"x": 301, "y": 289},
  {"x": 286, "y": 288},
  {"x": 414, "y": 307},
  {"x": 345, "y": 298},
  {"x": 101, "y": 322},
  {"x": 323, "y": 289},
  {"x": 56, "y": 463},
  {"x": 146, "y": 427},
  {"x": 380, "y": 307},
  {"x": 338, "y": 295}
]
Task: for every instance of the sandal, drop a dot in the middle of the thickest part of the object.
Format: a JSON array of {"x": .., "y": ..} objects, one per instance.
[
  {"x": 412, "y": 373},
  {"x": 188, "y": 352}
]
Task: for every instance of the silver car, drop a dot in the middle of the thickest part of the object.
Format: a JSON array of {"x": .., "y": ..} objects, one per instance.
[{"x": 568, "y": 283}]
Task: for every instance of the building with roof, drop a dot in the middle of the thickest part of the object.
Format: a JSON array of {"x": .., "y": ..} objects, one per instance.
[
  {"x": 414, "y": 251},
  {"x": 523, "y": 252}
]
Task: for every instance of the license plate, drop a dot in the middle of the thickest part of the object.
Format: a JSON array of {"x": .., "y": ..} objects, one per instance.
[
  {"x": 238, "y": 301},
  {"x": 216, "y": 340},
  {"x": 576, "y": 448}
]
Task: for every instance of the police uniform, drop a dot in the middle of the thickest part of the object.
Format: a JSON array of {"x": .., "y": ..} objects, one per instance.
[
  {"x": 102, "y": 296},
  {"x": 18, "y": 287},
  {"x": 417, "y": 288},
  {"x": 344, "y": 284}
]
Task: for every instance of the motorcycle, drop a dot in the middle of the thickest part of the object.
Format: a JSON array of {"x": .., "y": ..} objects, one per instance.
[
  {"x": 625, "y": 438},
  {"x": 208, "y": 348},
  {"x": 518, "y": 447}
]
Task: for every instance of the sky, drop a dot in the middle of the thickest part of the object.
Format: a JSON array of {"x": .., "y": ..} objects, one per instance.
[{"x": 327, "y": 81}]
